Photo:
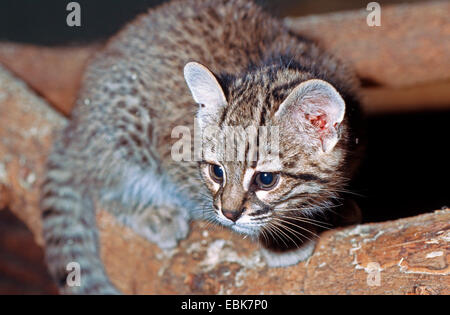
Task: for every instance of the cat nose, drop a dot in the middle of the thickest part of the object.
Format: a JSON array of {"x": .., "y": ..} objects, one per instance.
[{"x": 233, "y": 215}]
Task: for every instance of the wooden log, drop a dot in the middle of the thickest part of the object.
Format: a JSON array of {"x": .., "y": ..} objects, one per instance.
[
  {"x": 53, "y": 72},
  {"x": 410, "y": 47},
  {"x": 407, "y": 256},
  {"x": 26, "y": 125},
  {"x": 404, "y": 63}
]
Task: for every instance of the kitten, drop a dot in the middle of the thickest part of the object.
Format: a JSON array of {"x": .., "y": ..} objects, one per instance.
[{"x": 243, "y": 68}]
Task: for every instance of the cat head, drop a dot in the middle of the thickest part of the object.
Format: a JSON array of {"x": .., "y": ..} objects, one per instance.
[{"x": 303, "y": 122}]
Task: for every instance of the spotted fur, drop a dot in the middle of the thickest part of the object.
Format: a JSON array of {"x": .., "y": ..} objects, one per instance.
[{"x": 116, "y": 150}]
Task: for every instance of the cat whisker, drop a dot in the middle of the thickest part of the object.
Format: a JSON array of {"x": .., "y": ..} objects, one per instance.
[
  {"x": 264, "y": 234},
  {"x": 297, "y": 234},
  {"x": 276, "y": 233},
  {"x": 297, "y": 226},
  {"x": 317, "y": 223},
  {"x": 279, "y": 229}
]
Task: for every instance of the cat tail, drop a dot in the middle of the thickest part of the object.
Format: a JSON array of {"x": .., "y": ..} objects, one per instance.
[{"x": 71, "y": 235}]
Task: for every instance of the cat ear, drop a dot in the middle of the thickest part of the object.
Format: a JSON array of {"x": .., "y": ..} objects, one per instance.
[
  {"x": 318, "y": 103},
  {"x": 204, "y": 87}
]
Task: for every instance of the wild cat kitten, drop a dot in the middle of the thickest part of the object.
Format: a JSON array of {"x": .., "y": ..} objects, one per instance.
[{"x": 243, "y": 68}]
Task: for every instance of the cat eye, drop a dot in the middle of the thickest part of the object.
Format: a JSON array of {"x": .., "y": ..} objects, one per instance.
[
  {"x": 266, "y": 180},
  {"x": 216, "y": 173}
]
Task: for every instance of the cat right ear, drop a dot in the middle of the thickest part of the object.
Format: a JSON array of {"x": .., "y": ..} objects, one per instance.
[
  {"x": 320, "y": 104},
  {"x": 205, "y": 88}
]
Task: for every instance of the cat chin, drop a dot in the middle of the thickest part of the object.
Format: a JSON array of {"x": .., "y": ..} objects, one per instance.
[
  {"x": 236, "y": 227},
  {"x": 252, "y": 232}
]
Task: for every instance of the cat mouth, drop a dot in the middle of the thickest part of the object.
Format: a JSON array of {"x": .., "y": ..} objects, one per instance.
[{"x": 245, "y": 230}]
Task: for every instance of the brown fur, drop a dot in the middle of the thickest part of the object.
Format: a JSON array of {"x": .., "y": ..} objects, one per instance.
[{"x": 134, "y": 94}]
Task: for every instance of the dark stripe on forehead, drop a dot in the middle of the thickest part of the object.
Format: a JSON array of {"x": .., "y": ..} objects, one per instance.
[
  {"x": 306, "y": 177},
  {"x": 222, "y": 117},
  {"x": 262, "y": 118},
  {"x": 284, "y": 89},
  {"x": 225, "y": 81}
]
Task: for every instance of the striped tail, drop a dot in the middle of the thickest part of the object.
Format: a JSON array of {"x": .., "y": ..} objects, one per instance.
[{"x": 71, "y": 236}]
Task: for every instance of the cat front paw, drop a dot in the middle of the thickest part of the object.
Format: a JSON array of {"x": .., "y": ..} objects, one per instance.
[
  {"x": 289, "y": 258},
  {"x": 164, "y": 226}
]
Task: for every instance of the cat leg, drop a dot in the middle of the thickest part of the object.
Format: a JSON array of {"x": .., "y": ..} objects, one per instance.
[
  {"x": 163, "y": 225},
  {"x": 288, "y": 258}
]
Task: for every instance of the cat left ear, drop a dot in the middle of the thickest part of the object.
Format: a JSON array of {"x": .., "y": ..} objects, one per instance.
[
  {"x": 204, "y": 86},
  {"x": 317, "y": 102}
]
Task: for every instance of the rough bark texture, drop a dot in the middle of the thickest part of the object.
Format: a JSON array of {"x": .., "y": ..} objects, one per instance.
[
  {"x": 26, "y": 125},
  {"x": 411, "y": 256}
]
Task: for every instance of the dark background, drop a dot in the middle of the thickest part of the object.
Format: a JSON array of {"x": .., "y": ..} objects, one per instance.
[
  {"x": 405, "y": 172},
  {"x": 44, "y": 21}
]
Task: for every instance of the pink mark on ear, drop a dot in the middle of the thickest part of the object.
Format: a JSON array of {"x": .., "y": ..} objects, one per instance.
[{"x": 318, "y": 121}]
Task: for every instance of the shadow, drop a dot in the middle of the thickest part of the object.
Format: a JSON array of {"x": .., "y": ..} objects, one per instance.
[{"x": 406, "y": 171}]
